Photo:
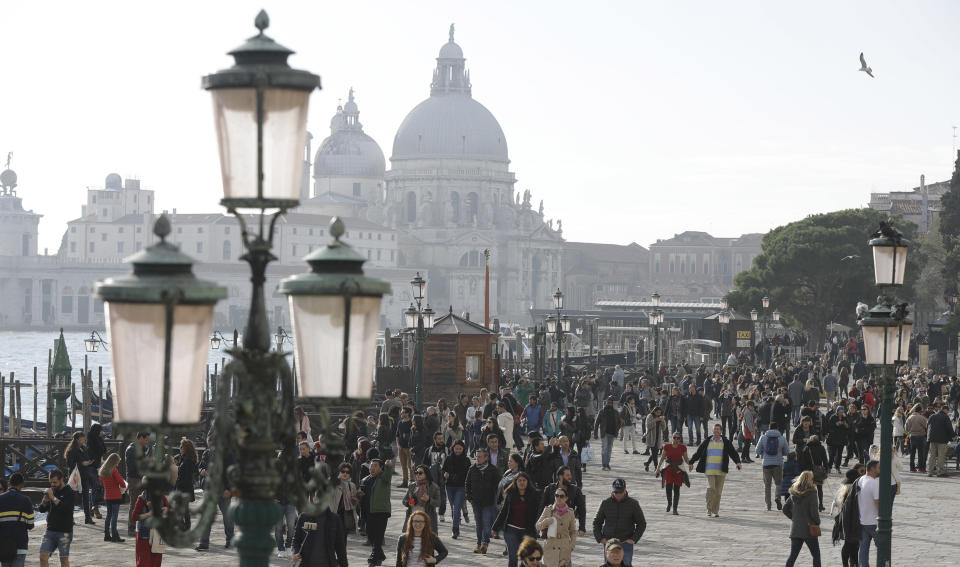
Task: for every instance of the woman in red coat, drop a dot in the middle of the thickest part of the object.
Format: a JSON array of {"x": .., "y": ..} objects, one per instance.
[
  {"x": 674, "y": 454},
  {"x": 141, "y": 512},
  {"x": 112, "y": 483}
]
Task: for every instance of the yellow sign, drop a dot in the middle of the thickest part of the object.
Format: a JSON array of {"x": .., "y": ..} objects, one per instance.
[{"x": 744, "y": 334}]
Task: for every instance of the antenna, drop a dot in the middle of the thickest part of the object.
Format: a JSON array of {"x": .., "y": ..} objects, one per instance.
[{"x": 954, "y": 140}]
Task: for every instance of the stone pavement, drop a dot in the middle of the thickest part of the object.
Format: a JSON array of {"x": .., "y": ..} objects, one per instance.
[{"x": 745, "y": 534}]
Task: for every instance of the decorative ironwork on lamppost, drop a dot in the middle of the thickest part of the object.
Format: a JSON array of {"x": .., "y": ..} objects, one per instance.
[
  {"x": 886, "y": 343},
  {"x": 724, "y": 319},
  {"x": 558, "y": 325},
  {"x": 419, "y": 319},
  {"x": 763, "y": 319},
  {"x": 655, "y": 316},
  {"x": 94, "y": 342},
  {"x": 159, "y": 319}
]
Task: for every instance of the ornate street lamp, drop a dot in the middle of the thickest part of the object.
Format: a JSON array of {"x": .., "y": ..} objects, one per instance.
[
  {"x": 754, "y": 315},
  {"x": 160, "y": 316},
  {"x": 655, "y": 317},
  {"x": 217, "y": 339},
  {"x": 724, "y": 319},
  {"x": 419, "y": 319},
  {"x": 558, "y": 325},
  {"x": 93, "y": 343},
  {"x": 886, "y": 341}
]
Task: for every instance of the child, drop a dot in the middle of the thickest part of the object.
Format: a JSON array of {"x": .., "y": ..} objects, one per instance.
[
  {"x": 791, "y": 470},
  {"x": 112, "y": 483}
]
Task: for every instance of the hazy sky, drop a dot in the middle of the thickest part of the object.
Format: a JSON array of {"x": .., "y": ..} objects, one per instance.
[{"x": 632, "y": 120}]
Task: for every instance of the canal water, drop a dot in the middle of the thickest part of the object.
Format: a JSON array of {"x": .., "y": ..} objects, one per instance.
[{"x": 21, "y": 351}]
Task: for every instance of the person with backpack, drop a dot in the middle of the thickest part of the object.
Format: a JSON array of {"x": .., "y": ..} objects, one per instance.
[
  {"x": 772, "y": 448},
  {"x": 801, "y": 508}
]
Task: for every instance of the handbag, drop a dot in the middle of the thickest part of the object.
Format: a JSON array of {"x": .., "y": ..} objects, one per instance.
[
  {"x": 74, "y": 481},
  {"x": 819, "y": 473},
  {"x": 157, "y": 545},
  {"x": 814, "y": 530}
]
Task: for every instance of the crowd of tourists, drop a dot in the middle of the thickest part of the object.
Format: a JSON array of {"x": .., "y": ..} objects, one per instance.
[{"x": 511, "y": 464}]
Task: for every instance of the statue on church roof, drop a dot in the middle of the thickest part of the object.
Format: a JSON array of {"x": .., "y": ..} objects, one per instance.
[
  {"x": 541, "y": 207},
  {"x": 559, "y": 225},
  {"x": 526, "y": 198},
  {"x": 451, "y": 33}
]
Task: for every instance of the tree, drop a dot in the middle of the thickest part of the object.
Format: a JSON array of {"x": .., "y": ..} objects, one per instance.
[
  {"x": 949, "y": 229},
  {"x": 816, "y": 270},
  {"x": 931, "y": 283}
]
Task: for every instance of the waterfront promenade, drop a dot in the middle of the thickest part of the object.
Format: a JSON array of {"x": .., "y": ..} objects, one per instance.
[{"x": 744, "y": 535}]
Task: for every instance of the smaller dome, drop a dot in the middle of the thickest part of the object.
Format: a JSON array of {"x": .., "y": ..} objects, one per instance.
[
  {"x": 451, "y": 50},
  {"x": 8, "y": 179},
  {"x": 113, "y": 181}
]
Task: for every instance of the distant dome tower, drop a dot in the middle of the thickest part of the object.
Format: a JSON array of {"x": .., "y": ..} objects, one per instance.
[
  {"x": 348, "y": 163},
  {"x": 19, "y": 228},
  {"x": 449, "y": 165}
]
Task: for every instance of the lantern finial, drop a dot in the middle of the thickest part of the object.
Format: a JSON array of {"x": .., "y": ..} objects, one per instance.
[
  {"x": 262, "y": 21},
  {"x": 336, "y": 228},
  {"x": 162, "y": 227}
]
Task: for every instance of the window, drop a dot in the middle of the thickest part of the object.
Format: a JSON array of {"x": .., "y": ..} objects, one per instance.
[
  {"x": 179, "y": 230},
  {"x": 66, "y": 304},
  {"x": 119, "y": 247},
  {"x": 93, "y": 199},
  {"x": 226, "y": 250},
  {"x": 199, "y": 230},
  {"x": 120, "y": 230},
  {"x": 139, "y": 245},
  {"x": 369, "y": 236},
  {"x": 226, "y": 230},
  {"x": 369, "y": 254},
  {"x": 92, "y": 247},
  {"x": 103, "y": 236},
  {"x": 309, "y": 232},
  {"x": 149, "y": 198},
  {"x": 411, "y": 206},
  {"x": 671, "y": 267},
  {"x": 73, "y": 229},
  {"x": 294, "y": 250},
  {"x": 391, "y": 255},
  {"x": 379, "y": 236},
  {"x": 92, "y": 229},
  {"x": 98, "y": 306},
  {"x": 378, "y": 254},
  {"x": 199, "y": 247},
  {"x": 356, "y": 189},
  {"x": 73, "y": 246},
  {"x": 104, "y": 212},
  {"x": 393, "y": 237},
  {"x": 139, "y": 229},
  {"x": 473, "y": 369},
  {"x": 294, "y": 230},
  {"x": 656, "y": 267}
]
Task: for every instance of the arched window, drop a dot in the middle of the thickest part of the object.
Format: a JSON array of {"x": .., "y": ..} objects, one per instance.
[
  {"x": 226, "y": 250},
  {"x": 455, "y": 206},
  {"x": 411, "y": 206},
  {"x": 474, "y": 258},
  {"x": 473, "y": 202},
  {"x": 465, "y": 259}
]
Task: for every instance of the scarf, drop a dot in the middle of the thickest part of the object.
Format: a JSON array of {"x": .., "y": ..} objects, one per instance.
[{"x": 560, "y": 510}]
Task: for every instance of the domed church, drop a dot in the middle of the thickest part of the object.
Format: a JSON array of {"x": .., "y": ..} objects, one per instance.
[{"x": 452, "y": 195}]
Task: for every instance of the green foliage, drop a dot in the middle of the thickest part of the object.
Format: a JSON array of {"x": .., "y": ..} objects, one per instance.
[
  {"x": 804, "y": 271},
  {"x": 950, "y": 231}
]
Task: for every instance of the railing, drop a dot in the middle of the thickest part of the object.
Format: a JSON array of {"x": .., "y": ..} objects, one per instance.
[{"x": 34, "y": 457}]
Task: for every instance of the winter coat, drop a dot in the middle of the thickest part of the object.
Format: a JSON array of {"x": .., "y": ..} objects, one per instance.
[
  {"x": 813, "y": 456},
  {"x": 916, "y": 425},
  {"x": 439, "y": 551},
  {"x": 608, "y": 421},
  {"x": 327, "y": 545},
  {"x": 411, "y": 502},
  {"x": 803, "y": 510},
  {"x": 939, "y": 428},
  {"x": 456, "y": 467},
  {"x": 761, "y": 451},
  {"x": 540, "y": 468},
  {"x": 573, "y": 461},
  {"x": 729, "y": 452},
  {"x": 112, "y": 485},
  {"x": 558, "y": 549},
  {"x": 653, "y": 440},
  {"x": 481, "y": 485},
  {"x": 791, "y": 470},
  {"x": 533, "y": 508},
  {"x": 837, "y": 433},
  {"x": 575, "y": 500},
  {"x": 622, "y": 520},
  {"x": 551, "y": 423}
]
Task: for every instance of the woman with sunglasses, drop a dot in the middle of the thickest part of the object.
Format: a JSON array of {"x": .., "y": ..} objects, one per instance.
[
  {"x": 419, "y": 546},
  {"x": 518, "y": 515},
  {"x": 423, "y": 494},
  {"x": 656, "y": 435},
  {"x": 675, "y": 454},
  {"x": 560, "y": 526},
  {"x": 530, "y": 554},
  {"x": 345, "y": 501}
]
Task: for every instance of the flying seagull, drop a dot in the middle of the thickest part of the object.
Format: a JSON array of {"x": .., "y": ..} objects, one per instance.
[
  {"x": 863, "y": 66},
  {"x": 850, "y": 257}
]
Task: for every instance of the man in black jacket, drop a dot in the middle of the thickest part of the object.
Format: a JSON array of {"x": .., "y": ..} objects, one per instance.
[
  {"x": 620, "y": 517},
  {"x": 481, "y": 491},
  {"x": 540, "y": 463},
  {"x": 713, "y": 460},
  {"x": 17, "y": 512},
  {"x": 575, "y": 498},
  {"x": 691, "y": 408},
  {"x": 58, "y": 504},
  {"x": 608, "y": 425},
  {"x": 939, "y": 433},
  {"x": 320, "y": 540}
]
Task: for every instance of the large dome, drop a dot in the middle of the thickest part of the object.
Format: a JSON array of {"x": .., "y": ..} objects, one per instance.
[
  {"x": 348, "y": 151},
  {"x": 450, "y": 125}
]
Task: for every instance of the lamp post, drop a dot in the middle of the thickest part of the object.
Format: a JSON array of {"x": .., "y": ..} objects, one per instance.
[
  {"x": 558, "y": 325},
  {"x": 886, "y": 340},
  {"x": 159, "y": 319},
  {"x": 724, "y": 319},
  {"x": 655, "y": 316},
  {"x": 419, "y": 319},
  {"x": 764, "y": 319},
  {"x": 94, "y": 342}
]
